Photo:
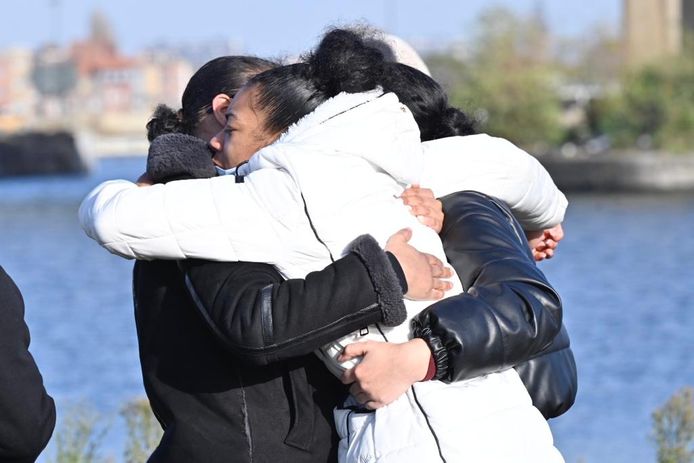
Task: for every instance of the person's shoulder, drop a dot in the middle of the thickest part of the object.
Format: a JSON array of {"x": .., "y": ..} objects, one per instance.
[
  {"x": 9, "y": 290},
  {"x": 476, "y": 141}
]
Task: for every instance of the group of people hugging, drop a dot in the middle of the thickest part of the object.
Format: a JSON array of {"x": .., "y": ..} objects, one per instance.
[{"x": 333, "y": 265}]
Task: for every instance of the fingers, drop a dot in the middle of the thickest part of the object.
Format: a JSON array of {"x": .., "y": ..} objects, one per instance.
[
  {"x": 551, "y": 244},
  {"x": 424, "y": 206},
  {"x": 433, "y": 221},
  {"x": 420, "y": 196},
  {"x": 357, "y": 392},
  {"x": 439, "y": 274},
  {"x": 416, "y": 190},
  {"x": 364, "y": 397},
  {"x": 348, "y": 377},
  {"x": 545, "y": 249},
  {"x": 428, "y": 221},
  {"x": 435, "y": 264},
  {"x": 438, "y": 269},
  {"x": 556, "y": 233},
  {"x": 420, "y": 209},
  {"x": 442, "y": 285},
  {"x": 367, "y": 399},
  {"x": 357, "y": 349}
]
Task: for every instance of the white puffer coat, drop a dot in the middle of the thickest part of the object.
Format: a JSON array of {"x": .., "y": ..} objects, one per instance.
[{"x": 336, "y": 174}]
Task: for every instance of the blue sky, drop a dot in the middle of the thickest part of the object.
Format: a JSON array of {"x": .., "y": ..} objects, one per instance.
[{"x": 274, "y": 27}]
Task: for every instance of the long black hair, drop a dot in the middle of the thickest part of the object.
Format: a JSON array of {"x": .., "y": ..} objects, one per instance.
[
  {"x": 428, "y": 103},
  {"x": 344, "y": 62},
  {"x": 226, "y": 74},
  {"x": 341, "y": 63}
]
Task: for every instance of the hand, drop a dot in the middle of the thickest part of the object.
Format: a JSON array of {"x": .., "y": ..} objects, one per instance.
[
  {"x": 425, "y": 274},
  {"x": 144, "y": 180},
  {"x": 424, "y": 206},
  {"x": 543, "y": 243},
  {"x": 386, "y": 370}
]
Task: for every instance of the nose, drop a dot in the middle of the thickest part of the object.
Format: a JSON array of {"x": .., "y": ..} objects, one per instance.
[{"x": 216, "y": 142}]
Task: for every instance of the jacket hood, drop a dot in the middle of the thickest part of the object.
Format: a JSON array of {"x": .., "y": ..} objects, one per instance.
[{"x": 372, "y": 125}]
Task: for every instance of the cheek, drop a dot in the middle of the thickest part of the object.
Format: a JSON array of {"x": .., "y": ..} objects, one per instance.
[
  {"x": 243, "y": 148},
  {"x": 230, "y": 150}
]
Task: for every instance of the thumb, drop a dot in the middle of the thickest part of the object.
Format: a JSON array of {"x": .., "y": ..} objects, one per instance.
[
  {"x": 357, "y": 349},
  {"x": 405, "y": 234}
]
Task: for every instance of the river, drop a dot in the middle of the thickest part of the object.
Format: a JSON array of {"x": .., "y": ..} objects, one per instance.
[{"x": 624, "y": 272}]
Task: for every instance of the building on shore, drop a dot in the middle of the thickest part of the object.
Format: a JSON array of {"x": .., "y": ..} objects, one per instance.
[
  {"x": 88, "y": 85},
  {"x": 17, "y": 94},
  {"x": 655, "y": 28}
]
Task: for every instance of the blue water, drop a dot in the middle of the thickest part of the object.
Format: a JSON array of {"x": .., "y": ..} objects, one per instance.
[{"x": 624, "y": 272}]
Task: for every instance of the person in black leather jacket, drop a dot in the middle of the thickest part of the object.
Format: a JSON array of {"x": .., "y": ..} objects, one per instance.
[
  {"x": 27, "y": 412},
  {"x": 508, "y": 316}
]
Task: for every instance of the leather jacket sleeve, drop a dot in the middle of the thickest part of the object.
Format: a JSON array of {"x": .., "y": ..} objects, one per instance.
[
  {"x": 262, "y": 318},
  {"x": 508, "y": 314},
  {"x": 27, "y": 412},
  {"x": 551, "y": 377}
]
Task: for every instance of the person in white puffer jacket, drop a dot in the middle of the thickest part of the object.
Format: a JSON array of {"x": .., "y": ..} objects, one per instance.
[{"x": 335, "y": 174}]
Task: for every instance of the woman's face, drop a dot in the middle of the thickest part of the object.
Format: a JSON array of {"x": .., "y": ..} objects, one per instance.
[{"x": 243, "y": 133}]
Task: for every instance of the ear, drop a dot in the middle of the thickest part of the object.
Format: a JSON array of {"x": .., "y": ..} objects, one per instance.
[{"x": 220, "y": 104}]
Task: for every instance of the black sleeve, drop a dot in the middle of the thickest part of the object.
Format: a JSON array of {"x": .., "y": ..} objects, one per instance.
[
  {"x": 27, "y": 412},
  {"x": 508, "y": 314},
  {"x": 261, "y": 318}
]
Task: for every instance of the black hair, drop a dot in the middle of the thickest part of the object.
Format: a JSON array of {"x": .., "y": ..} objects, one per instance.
[
  {"x": 226, "y": 74},
  {"x": 428, "y": 103},
  {"x": 347, "y": 61},
  {"x": 341, "y": 63}
]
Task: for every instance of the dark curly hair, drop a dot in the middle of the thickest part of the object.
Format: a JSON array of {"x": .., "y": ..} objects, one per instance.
[
  {"x": 428, "y": 103},
  {"x": 226, "y": 74},
  {"x": 344, "y": 61},
  {"x": 341, "y": 63}
]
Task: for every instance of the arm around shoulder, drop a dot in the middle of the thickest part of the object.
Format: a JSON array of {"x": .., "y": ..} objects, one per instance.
[
  {"x": 262, "y": 318},
  {"x": 496, "y": 167},
  {"x": 508, "y": 313}
]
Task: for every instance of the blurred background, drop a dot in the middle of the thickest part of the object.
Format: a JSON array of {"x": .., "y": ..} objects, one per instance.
[{"x": 602, "y": 92}]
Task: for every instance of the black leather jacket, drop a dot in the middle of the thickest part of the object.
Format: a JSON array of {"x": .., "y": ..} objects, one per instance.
[{"x": 509, "y": 314}]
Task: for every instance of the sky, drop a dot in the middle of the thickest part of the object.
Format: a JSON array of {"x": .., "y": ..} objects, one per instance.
[{"x": 277, "y": 27}]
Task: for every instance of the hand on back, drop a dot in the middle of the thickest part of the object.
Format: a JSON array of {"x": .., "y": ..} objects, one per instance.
[
  {"x": 425, "y": 274},
  {"x": 543, "y": 243},
  {"x": 424, "y": 206}
]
